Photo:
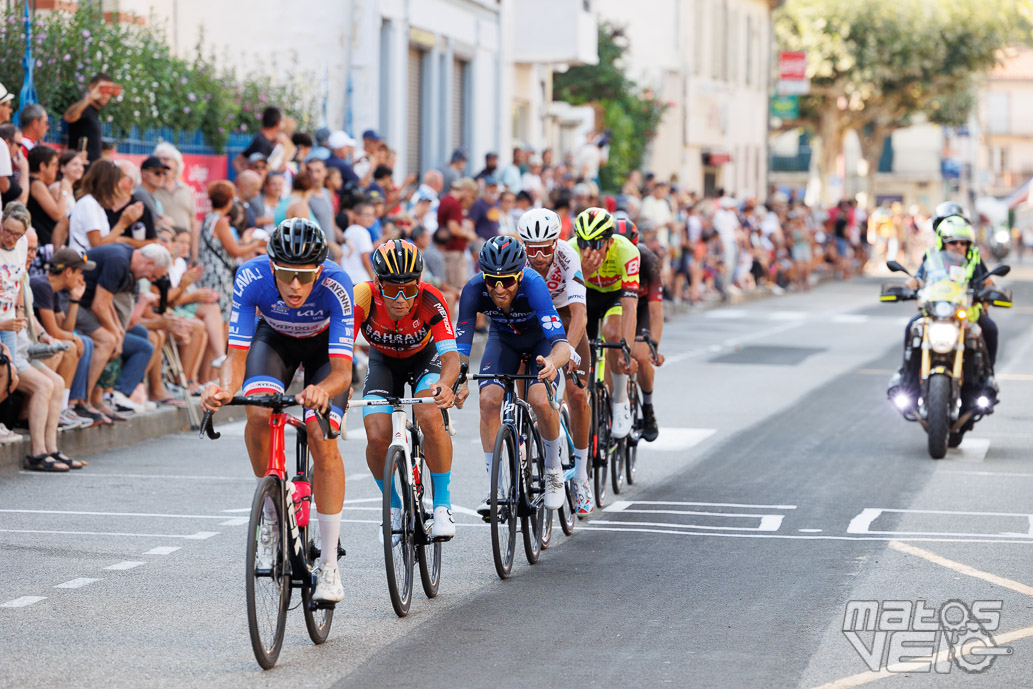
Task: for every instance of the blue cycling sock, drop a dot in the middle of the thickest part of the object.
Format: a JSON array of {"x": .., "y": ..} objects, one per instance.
[
  {"x": 442, "y": 498},
  {"x": 395, "y": 500}
]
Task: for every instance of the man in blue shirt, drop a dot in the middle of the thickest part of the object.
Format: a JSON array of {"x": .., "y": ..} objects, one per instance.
[{"x": 524, "y": 322}]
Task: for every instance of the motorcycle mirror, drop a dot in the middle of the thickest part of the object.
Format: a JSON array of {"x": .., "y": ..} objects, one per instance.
[
  {"x": 1001, "y": 270},
  {"x": 896, "y": 267}
]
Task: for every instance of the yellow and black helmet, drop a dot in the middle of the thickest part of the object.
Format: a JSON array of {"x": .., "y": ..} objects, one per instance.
[
  {"x": 594, "y": 223},
  {"x": 397, "y": 261}
]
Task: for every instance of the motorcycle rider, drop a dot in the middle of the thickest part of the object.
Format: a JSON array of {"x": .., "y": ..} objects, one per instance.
[{"x": 955, "y": 241}]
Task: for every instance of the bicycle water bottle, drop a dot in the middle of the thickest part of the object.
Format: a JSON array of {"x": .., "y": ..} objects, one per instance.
[{"x": 302, "y": 500}]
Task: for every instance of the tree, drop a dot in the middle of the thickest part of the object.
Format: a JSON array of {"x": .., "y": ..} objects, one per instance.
[
  {"x": 629, "y": 112},
  {"x": 875, "y": 64}
]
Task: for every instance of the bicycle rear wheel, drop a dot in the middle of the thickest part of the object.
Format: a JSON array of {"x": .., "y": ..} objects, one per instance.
[
  {"x": 429, "y": 556},
  {"x": 533, "y": 523},
  {"x": 399, "y": 543},
  {"x": 618, "y": 448},
  {"x": 567, "y": 512},
  {"x": 503, "y": 514},
  {"x": 268, "y": 588},
  {"x": 631, "y": 449},
  {"x": 317, "y": 620}
]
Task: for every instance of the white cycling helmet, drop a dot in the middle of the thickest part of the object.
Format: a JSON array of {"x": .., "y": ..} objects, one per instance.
[{"x": 539, "y": 225}]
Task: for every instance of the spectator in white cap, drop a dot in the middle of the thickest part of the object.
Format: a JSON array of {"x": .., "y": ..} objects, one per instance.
[
  {"x": 6, "y": 169},
  {"x": 6, "y": 104},
  {"x": 341, "y": 146}
]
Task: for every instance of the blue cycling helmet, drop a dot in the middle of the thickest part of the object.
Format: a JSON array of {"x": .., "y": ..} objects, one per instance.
[{"x": 502, "y": 256}]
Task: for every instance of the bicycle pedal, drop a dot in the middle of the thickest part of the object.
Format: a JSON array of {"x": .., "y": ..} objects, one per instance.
[
  {"x": 441, "y": 539},
  {"x": 340, "y": 551},
  {"x": 322, "y": 605}
]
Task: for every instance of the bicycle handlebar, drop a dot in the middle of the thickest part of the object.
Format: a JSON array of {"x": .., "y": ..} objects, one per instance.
[
  {"x": 653, "y": 344},
  {"x": 276, "y": 401}
]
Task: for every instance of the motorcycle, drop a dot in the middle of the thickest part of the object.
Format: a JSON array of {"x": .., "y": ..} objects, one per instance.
[{"x": 952, "y": 395}]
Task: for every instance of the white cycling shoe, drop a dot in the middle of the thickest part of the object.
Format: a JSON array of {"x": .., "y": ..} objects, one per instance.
[
  {"x": 266, "y": 547},
  {"x": 328, "y": 585},
  {"x": 444, "y": 525},
  {"x": 554, "y": 489},
  {"x": 396, "y": 526},
  {"x": 621, "y": 419}
]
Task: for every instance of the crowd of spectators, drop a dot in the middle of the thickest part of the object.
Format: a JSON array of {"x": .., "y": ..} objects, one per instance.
[{"x": 127, "y": 268}]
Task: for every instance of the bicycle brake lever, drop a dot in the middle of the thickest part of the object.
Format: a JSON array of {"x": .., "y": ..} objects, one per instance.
[
  {"x": 447, "y": 418},
  {"x": 207, "y": 428}
]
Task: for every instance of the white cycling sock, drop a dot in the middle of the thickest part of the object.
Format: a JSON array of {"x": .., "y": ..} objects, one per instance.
[
  {"x": 552, "y": 453},
  {"x": 487, "y": 461},
  {"x": 329, "y": 533},
  {"x": 64, "y": 399},
  {"x": 620, "y": 387},
  {"x": 580, "y": 464}
]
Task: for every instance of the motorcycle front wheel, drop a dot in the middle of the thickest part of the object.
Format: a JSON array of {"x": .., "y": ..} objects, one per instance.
[{"x": 939, "y": 406}]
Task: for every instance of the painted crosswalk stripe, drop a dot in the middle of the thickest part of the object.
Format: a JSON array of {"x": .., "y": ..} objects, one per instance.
[
  {"x": 235, "y": 521},
  {"x": 163, "y": 550},
  {"x": 76, "y": 583},
  {"x": 22, "y": 602},
  {"x": 126, "y": 564}
]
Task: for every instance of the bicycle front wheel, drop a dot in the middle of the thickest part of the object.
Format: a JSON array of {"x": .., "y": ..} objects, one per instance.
[
  {"x": 399, "y": 538},
  {"x": 429, "y": 555},
  {"x": 503, "y": 514},
  {"x": 601, "y": 447},
  {"x": 268, "y": 580}
]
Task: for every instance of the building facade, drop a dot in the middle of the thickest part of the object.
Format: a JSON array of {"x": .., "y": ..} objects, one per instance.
[{"x": 710, "y": 60}]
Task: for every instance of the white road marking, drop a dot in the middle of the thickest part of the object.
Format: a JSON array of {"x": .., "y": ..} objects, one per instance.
[
  {"x": 623, "y": 504},
  {"x": 791, "y": 537},
  {"x": 125, "y": 564},
  {"x": 76, "y": 583},
  {"x": 117, "y": 514},
  {"x": 22, "y": 602},
  {"x": 726, "y": 314},
  {"x": 237, "y": 509},
  {"x": 769, "y": 522},
  {"x": 962, "y": 568},
  {"x": 850, "y": 318},
  {"x": 163, "y": 550},
  {"x": 235, "y": 521},
  {"x": 970, "y": 450},
  {"x": 195, "y": 536},
  {"x": 1003, "y": 474},
  {"x": 163, "y": 477},
  {"x": 201, "y": 535},
  {"x": 787, "y": 315},
  {"x": 674, "y": 439},
  {"x": 810, "y": 530},
  {"x": 861, "y": 524}
]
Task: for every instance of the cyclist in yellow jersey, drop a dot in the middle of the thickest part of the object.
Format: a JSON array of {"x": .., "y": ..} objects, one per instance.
[{"x": 610, "y": 264}]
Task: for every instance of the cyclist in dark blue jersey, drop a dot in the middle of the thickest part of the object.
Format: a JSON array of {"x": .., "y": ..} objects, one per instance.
[
  {"x": 523, "y": 322},
  {"x": 294, "y": 308}
]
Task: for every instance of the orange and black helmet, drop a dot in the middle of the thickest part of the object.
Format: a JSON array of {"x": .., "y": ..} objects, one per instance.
[
  {"x": 626, "y": 229},
  {"x": 397, "y": 261}
]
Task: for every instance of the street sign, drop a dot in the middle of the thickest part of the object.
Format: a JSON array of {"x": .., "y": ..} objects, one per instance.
[
  {"x": 785, "y": 107},
  {"x": 792, "y": 74}
]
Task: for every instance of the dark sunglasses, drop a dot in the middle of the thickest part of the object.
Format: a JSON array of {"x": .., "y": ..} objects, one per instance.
[
  {"x": 546, "y": 250},
  {"x": 956, "y": 242},
  {"x": 506, "y": 281},
  {"x": 594, "y": 244},
  {"x": 394, "y": 291},
  {"x": 289, "y": 275}
]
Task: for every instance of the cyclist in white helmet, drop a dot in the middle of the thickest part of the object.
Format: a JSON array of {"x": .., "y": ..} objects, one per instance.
[{"x": 560, "y": 265}]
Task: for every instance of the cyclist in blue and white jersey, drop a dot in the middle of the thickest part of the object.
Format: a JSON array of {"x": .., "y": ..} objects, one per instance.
[
  {"x": 560, "y": 265},
  {"x": 523, "y": 322},
  {"x": 294, "y": 308}
]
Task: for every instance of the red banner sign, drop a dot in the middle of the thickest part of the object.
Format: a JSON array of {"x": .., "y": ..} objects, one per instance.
[{"x": 792, "y": 65}]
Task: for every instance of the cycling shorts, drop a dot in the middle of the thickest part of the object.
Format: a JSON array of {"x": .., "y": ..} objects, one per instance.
[
  {"x": 386, "y": 376},
  {"x": 273, "y": 358},
  {"x": 503, "y": 356},
  {"x": 641, "y": 316},
  {"x": 598, "y": 304}
]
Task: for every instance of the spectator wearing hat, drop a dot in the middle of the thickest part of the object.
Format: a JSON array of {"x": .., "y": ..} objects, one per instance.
[
  {"x": 341, "y": 146},
  {"x": 153, "y": 174},
  {"x": 6, "y": 104},
  {"x": 56, "y": 295},
  {"x": 454, "y": 170},
  {"x": 6, "y": 168},
  {"x": 258, "y": 163},
  {"x": 423, "y": 204},
  {"x": 365, "y": 162},
  {"x": 83, "y": 116},
  {"x": 455, "y": 230},
  {"x": 264, "y": 141},
  {"x": 491, "y": 164},
  {"x": 34, "y": 123}
]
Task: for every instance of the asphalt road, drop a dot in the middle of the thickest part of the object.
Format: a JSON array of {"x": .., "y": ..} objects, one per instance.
[{"x": 783, "y": 486}]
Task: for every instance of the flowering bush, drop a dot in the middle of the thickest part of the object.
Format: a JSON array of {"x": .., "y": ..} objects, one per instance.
[{"x": 159, "y": 90}]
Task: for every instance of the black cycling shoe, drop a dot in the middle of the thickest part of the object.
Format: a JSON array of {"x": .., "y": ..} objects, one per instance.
[{"x": 649, "y": 429}]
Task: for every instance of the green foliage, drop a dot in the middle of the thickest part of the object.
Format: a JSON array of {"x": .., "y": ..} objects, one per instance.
[
  {"x": 160, "y": 90},
  {"x": 631, "y": 113}
]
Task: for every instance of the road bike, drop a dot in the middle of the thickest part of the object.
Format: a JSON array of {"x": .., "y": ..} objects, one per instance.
[
  {"x": 604, "y": 451},
  {"x": 517, "y": 476},
  {"x": 567, "y": 513},
  {"x": 294, "y": 536},
  {"x": 409, "y": 540},
  {"x": 637, "y": 420}
]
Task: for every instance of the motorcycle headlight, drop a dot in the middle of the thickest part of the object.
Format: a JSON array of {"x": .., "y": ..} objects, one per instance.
[
  {"x": 1002, "y": 236},
  {"x": 943, "y": 337},
  {"x": 943, "y": 309}
]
